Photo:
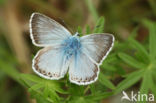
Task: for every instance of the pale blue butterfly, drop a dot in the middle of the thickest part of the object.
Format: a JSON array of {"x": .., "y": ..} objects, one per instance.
[{"x": 82, "y": 55}]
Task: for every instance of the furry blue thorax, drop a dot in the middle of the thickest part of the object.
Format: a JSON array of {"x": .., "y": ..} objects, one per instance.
[{"x": 71, "y": 46}]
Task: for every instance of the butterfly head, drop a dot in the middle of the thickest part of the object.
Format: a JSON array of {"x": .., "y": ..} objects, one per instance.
[{"x": 77, "y": 34}]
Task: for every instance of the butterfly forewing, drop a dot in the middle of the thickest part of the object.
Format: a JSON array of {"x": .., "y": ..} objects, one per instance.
[
  {"x": 97, "y": 46},
  {"x": 49, "y": 61},
  {"x": 46, "y": 31}
]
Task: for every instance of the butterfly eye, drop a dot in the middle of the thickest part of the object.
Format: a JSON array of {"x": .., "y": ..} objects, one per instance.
[{"x": 78, "y": 34}]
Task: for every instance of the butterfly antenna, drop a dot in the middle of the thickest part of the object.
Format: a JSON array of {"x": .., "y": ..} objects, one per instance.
[{"x": 65, "y": 25}]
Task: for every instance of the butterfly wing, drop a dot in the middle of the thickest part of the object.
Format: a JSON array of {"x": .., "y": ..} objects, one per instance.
[
  {"x": 50, "y": 63},
  {"x": 97, "y": 46},
  {"x": 84, "y": 67},
  {"x": 45, "y": 31},
  {"x": 82, "y": 70}
]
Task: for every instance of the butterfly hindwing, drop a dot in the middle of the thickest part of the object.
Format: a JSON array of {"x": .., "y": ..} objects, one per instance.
[
  {"x": 45, "y": 31},
  {"x": 50, "y": 63},
  {"x": 82, "y": 70}
]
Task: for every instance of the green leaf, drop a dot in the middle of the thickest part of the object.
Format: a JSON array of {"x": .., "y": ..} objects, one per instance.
[
  {"x": 152, "y": 85},
  {"x": 129, "y": 81},
  {"x": 99, "y": 96},
  {"x": 108, "y": 67},
  {"x": 131, "y": 61},
  {"x": 99, "y": 25},
  {"x": 88, "y": 30},
  {"x": 120, "y": 70},
  {"x": 141, "y": 49},
  {"x": 141, "y": 58},
  {"x": 145, "y": 82},
  {"x": 111, "y": 58},
  {"x": 145, "y": 85},
  {"x": 35, "y": 87},
  {"x": 79, "y": 29},
  {"x": 57, "y": 86},
  {"x": 10, "y": 70},
  {"x": 80, "y": 99},
  {"x": 31, "y": 77},
  {"x": 46, "y": 91},
  {"x": 152, "y": 38},
  {"x": 103, "y": 80},
  {"x": 134, "y": 33},
  {"x": 76, "y": 90},
  {"x": 92, "y": 88},
  {"x": 40, "y": 98}
]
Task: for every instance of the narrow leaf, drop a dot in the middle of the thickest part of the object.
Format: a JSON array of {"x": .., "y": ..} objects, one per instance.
[
  {"x": 10, "y": 70},
  {"x": 99, "y": 96},
  {"x": 31, "y": 77},
  {"x": 92, "y": 88},
  {"x": 108, "y": 67},
  {"x": 103, "y": 80},
  {"x": 152, "y": 38},
  {"x": 131, "y": 61},
  {"x": 134, "y": 33},
  {"x": 79, "y": 29},
  {"x": 99, "y": 25},
  {"x": 129, "y": 81},
  {"x": 35, "y": 87},
  {"x": 145, "y": 82},
  {"x": 88, "y": 30},
  {"x": 145, "y": 85},
  {"x": 152, "y": 85},
  {"x": 141, "y": 49}
]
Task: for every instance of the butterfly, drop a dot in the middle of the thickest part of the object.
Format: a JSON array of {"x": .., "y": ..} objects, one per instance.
[{"x": 63, "y": 52}]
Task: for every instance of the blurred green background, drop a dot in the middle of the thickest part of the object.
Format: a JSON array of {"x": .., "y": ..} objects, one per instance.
[{"x": 123, "y": 18}]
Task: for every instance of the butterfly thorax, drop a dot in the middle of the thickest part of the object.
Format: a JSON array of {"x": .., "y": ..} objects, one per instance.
[{"x": 71, "y": 46}]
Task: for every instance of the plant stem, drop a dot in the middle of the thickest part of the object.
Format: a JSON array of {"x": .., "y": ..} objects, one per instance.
[
  {"x": 92, "y": 9},
  {"x": 86, "y": 89},
  {"x": 152, "y": 4}
]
